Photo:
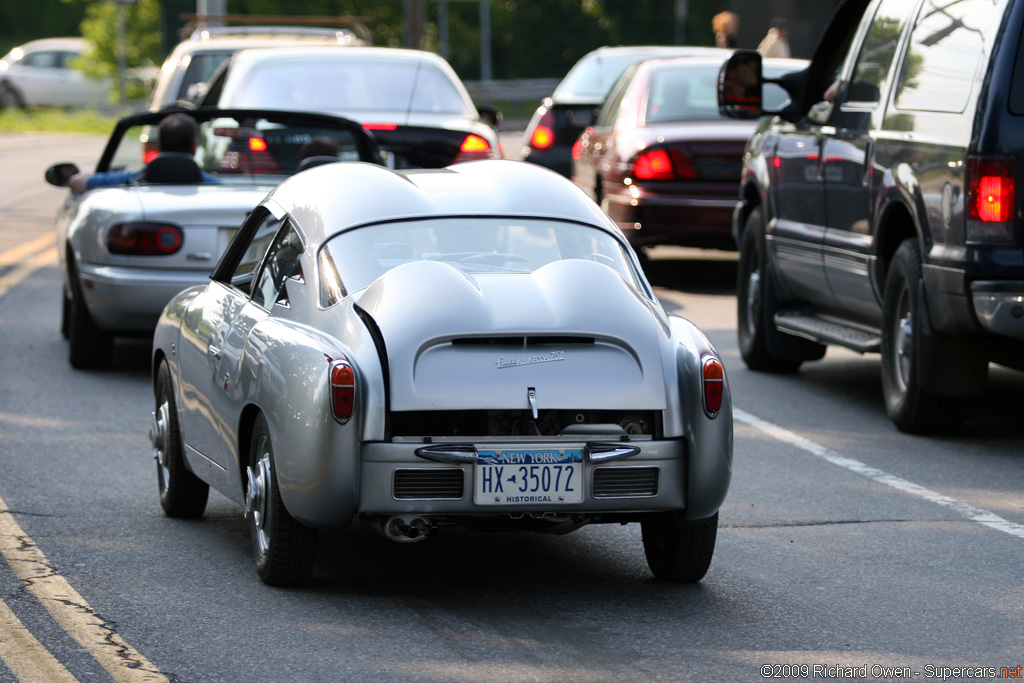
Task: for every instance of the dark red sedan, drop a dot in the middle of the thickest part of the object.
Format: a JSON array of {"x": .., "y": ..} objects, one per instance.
[{"x": 661, "y": 160}]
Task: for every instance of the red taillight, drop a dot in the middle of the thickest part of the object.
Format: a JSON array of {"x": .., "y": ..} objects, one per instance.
[
  {"x": 654, "y": 165},
  {"x": 144, "y": 239},
  {"x": 257, "y": 145},
  {"x": 991, "y": 191},
  {"x": 474, "y": 147},
  {"x": 149, "y": 155},
  {"x": 713, "y": 379},
  {"x": 543, "y": 136},
  {"x": 474, "y": 144},
  {"x": 380, "y": 126},
  {"x": 577, "y": 149},
  {"x": 343, "y": 390}
]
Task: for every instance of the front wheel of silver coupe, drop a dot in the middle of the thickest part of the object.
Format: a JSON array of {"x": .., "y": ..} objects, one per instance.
[
  {"x": 283, "y": 549},
  {"x": 679, "y": 551}
]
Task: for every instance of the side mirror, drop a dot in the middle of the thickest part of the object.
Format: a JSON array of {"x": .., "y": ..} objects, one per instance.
[
  {"x": 60, "y": 174},
  {"x": 490, "y": 114},
  {"x": 740, "y": 83}
]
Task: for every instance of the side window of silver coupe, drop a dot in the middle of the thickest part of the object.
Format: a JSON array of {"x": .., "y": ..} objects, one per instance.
[
  {"x": 245, "y": 271},
  {"x": 282, "y": 262}
]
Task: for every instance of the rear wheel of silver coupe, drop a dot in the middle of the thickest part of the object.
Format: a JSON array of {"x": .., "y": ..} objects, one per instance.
[
  {"x": 182, "y": 494},
  {"x": 283, "y": 548},
  {"x": 679, "y": 551},
  {"x": 89, "y": 347},
  {"x": 761, "y": 345},
  {"x": 904, "y": 345}
]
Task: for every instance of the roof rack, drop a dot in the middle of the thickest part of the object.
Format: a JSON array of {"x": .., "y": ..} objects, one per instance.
[{"x": 277, "y": 24}]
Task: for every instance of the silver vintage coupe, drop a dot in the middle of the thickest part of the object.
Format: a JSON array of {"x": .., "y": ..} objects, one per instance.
[{"x": 473, "y": 345}]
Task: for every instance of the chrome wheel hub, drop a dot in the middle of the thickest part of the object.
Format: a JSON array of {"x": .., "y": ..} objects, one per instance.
[
  {"x": 903, "y": 340},
  {"x": 159, "y": 436},
  {"x": 258, "y": 494},
  {"x": 753, "y": 299}
]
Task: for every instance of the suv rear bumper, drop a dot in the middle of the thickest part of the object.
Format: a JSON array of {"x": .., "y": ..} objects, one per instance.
[{"x": 999, "y": 306}]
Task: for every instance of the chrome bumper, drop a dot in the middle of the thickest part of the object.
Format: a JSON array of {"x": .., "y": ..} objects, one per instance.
[
  {"x": 1000, "y": 307},
  {"x": 395, "y": 480}
]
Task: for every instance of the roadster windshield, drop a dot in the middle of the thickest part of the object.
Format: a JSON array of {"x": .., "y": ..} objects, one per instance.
[{"x": 352, "y": 260}]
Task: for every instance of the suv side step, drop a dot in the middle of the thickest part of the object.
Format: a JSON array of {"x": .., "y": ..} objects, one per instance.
[{"x": 827, "y": 330}]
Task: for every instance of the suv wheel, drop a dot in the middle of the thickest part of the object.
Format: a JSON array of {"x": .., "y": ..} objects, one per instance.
[
  {"x": 761, "y": 345},
  {"x": 904, "y": 345}
]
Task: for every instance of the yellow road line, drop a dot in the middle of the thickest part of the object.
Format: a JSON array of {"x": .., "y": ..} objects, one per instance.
[
  {"x": 12, "y": 256},
  {"x": 69, "y": 609},
  {"x": 37, "y": 261},
  {"x": 25, "y": 656}
]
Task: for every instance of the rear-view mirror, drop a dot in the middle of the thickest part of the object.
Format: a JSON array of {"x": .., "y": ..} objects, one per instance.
[{"x": 740, "y": 85}]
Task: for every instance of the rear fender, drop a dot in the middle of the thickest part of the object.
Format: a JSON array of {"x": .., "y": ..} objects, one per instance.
[{"x": 709, "y": 440}]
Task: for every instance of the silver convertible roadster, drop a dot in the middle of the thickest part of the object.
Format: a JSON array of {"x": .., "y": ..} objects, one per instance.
[
  {"x": 127, "y": 248},
  {"x": 473, "y": 345}
]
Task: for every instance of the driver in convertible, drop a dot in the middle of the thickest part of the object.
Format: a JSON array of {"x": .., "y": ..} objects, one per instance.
[{"x": 178, "y": 133}]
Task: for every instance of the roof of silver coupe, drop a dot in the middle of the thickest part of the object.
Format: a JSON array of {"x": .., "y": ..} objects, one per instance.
[{"x": 333, "y": 197}]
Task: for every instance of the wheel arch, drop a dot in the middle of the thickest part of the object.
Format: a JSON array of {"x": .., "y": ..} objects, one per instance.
[
  {"x": 246, "y": 423},
  {"x": 896, "y": 224}
]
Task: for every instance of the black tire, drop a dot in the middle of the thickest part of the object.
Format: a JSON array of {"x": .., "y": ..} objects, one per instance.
[
  {"x": 283, "y": 549},
  {"x": 65, "y": 313},
  {"x": 761, "y": 345},
  {"x": 904, "y": 344},
  {"x": 9, "y": 98},
  {"x": 89, "y": 347},
  {"x": 182, "y": 494},
  {"x": 679, "y": 552}
]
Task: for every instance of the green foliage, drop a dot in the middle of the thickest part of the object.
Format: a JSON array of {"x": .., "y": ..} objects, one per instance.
[
  {"x": 56, "y": 120},
  {"x": 22, "y": 21},
  {"x": 142, "y": 41}
]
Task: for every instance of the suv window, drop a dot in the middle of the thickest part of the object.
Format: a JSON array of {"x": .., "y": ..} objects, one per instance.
[
  {"x": 945, "y": 49},
  {"x": 878, "y": 51}
]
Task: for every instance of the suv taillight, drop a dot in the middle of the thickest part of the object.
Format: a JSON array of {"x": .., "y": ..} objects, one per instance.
[
  {"x": 144, "y": 239},
  {"x": 343, "y": 390},
  {"x": 991, "y": 201}
]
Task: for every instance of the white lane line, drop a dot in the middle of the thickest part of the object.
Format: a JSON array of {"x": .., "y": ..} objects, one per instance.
[
  {"x": 16, "y": 276},
  {"x": 975, "y": 514}
]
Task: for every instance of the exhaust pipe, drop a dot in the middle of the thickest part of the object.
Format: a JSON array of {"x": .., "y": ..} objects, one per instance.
[{"x": 407, "y": 528}]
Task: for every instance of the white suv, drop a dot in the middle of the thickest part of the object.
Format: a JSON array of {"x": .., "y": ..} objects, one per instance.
[{"x": 194, "y": 60}]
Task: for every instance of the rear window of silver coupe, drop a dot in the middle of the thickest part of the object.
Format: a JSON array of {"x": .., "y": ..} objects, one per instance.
[{"x": 352, "y": 260}]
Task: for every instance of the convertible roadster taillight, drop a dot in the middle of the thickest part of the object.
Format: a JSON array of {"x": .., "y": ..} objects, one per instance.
[
  {"x": 343, "y": 389},
  {"x": 713, "y": 379},
  {"x": 144, "y": 239}
]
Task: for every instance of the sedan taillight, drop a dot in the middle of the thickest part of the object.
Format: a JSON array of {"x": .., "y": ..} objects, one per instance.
[
  {"x": 543, "y": 136},
  {"x": 713, "y": 381},
  {"x": 144, "y": 239},
  {"x": 664, "y": 164},
  {"x": 474, "y": 147},
  {"x": 343, "y": 390}
]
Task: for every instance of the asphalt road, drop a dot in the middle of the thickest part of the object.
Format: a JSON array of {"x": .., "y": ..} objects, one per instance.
[{"x": 843, "y": 543}]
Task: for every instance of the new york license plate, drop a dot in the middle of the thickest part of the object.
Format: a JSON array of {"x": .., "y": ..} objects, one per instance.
[{"x": 529, "y": 476}]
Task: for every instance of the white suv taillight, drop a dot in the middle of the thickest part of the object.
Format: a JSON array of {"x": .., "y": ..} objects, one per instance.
[{"x": 991, "y": 199}]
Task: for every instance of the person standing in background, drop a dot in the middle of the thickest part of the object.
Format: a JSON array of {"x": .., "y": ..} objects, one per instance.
[
  {"x": 725, "y": 26},
  {"x": 776, "y": 41}
]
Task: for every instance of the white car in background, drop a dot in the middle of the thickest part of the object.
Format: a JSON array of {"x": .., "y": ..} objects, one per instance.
[
  {"x": 193, "y": 61},
  {"x": 40, "y": 74}
]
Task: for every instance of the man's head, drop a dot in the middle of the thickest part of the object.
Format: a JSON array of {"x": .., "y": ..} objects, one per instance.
[
  {"x": 319, "y": 146},
  {"x": 781, "y": 26},
  {"x": 178, "y": 133}
]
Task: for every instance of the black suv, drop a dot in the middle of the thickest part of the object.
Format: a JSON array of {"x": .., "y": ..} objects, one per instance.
[{"x": 878, "y": 210}]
